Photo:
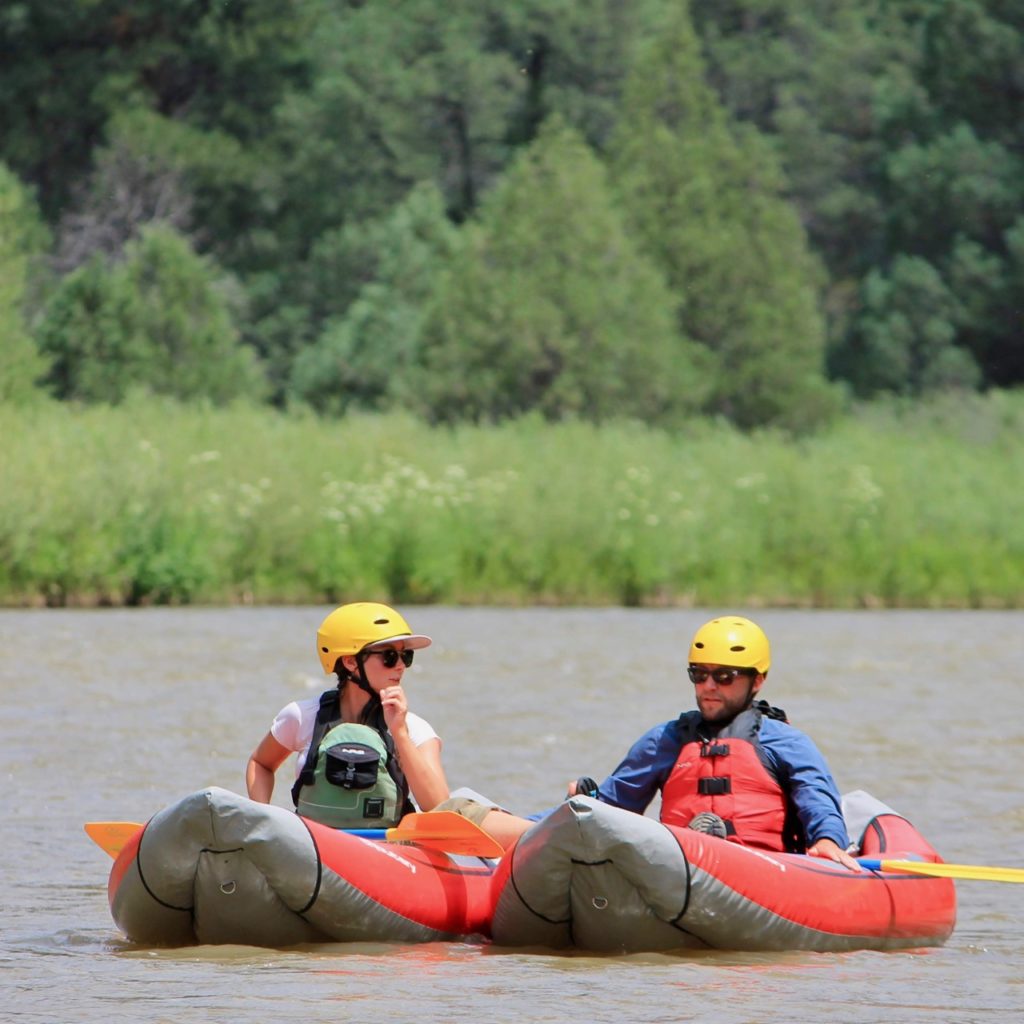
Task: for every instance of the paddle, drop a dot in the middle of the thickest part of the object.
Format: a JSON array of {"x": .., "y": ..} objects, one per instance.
[
  {"x": 435, "y": 830},
  {"x": 439, "y": 830},
  {"x": 975, "y": 871},
  {"x": 111, "y": 835}
]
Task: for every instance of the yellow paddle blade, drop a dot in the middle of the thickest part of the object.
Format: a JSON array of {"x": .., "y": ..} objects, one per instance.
[
  {"x": 447, "y": 831},
  {"x": 111, "y": 835},
  {"x": 973, "y": 871}
]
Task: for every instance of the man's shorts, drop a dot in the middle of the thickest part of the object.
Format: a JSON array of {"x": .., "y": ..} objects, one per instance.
[{"x": 471, "y": 809}]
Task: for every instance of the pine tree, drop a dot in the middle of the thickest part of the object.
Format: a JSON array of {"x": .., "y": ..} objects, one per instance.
[
  {"x": 22, "y": 237},
  {"x": 548, "y": 305},
  {"x": 705, "y": 196}
]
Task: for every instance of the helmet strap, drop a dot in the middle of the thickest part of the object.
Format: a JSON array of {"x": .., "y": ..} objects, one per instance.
[
  {"x": 372, "y": 713},
  {"x": 360, "y": 680},
  {"x": 751, "y": 692}
]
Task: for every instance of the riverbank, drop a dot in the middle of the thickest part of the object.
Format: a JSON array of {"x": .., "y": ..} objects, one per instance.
[{"x": 148, "y": 503}]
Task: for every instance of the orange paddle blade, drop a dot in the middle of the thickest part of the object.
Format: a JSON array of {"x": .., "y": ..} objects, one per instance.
[
  {"x": 447, "y": 831},
  {"x": 111, "y": 835},
  {"x": 437, "y": 830}
]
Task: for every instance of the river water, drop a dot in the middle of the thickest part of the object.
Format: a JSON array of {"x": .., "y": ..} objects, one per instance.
[{"x": 114, "y": 714}]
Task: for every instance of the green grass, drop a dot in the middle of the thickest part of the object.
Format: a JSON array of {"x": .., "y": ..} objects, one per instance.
[{"x": 916, "y": 506}]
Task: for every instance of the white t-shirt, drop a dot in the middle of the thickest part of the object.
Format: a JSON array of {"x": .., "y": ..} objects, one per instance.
[{"x": 293, "y": 727}]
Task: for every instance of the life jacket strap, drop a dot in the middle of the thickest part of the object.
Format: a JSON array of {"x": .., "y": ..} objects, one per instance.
[
  {"x": 328, "y": 714},
  {"x": 709, "y": 748}
]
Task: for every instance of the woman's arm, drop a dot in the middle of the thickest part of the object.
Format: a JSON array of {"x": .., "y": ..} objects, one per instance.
[
  {"x": 259, "y": 772},
  {"x": 423, "y": 769},
  {"x": 420, "y": 764}
]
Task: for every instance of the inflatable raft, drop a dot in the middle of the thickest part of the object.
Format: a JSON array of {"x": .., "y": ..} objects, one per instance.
[
  {"x": 595, "y": 877},
  {"x": 219, "y": 868}
]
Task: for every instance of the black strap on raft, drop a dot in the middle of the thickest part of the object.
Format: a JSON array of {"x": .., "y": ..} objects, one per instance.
[{"x": 328, "y": 715}]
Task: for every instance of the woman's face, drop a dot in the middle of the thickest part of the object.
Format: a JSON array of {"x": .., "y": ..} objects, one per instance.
[{"x": 384, "y": 667}]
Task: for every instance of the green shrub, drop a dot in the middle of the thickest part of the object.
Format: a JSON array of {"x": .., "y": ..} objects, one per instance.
[{"x": 154, "y": 502}]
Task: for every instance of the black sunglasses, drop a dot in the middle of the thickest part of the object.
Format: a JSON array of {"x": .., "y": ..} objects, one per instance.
[
  {"x": 389, "y": 657},
  {"x": 722, "y": 676}
]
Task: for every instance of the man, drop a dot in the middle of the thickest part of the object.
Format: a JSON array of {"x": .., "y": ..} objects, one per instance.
[{"x": 735, "y": 767}]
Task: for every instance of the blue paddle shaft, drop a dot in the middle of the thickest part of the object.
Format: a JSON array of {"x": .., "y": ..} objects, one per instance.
[
  {"x": 367, "y": 833},
  {"x": 869, "y": 863}
]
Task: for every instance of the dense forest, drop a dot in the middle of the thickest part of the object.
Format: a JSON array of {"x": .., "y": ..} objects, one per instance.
[{"x": 749, "y": 209}]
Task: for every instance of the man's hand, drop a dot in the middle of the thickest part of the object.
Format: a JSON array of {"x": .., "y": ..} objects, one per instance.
[
  {"x": 583, "y": 786},
  {"x": 830, "y": 850}
]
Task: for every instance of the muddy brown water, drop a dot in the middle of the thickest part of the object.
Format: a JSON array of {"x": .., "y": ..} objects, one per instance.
[{"x": 113, "y": 714}]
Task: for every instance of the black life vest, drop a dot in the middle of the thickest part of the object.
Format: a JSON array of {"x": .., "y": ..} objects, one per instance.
[{"x": 340, "y": 784}]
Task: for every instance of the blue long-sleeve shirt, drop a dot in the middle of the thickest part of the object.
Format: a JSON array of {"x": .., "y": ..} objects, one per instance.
[{"x": 792, "y": 757}]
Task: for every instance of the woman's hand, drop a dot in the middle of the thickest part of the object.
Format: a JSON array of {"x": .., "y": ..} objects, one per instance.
[
  {"x": 393, "y": 703},
  {"x": 422, "y": 764}
]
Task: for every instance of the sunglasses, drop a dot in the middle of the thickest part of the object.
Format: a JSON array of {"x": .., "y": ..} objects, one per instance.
[
  {"x": 722, "y": 676},
  {"x": 389, "y": 657}
]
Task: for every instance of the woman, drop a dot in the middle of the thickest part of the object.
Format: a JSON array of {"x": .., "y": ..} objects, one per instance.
[{"x": 370, "y": 752}]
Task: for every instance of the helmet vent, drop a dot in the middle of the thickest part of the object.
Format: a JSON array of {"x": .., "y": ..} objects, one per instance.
[
  {"x": 738, "y": 647},
  {"x": 381, "y": 622}
]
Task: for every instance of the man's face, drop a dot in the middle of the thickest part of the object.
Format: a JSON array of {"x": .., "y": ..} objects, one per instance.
[{"x": 724, "y": 699}]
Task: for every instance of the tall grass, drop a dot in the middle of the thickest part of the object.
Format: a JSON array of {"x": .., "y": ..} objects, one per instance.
[{"x": 152, "y": 502}]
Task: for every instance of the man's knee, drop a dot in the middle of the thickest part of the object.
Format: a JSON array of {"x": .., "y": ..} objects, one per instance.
[{"x": 471, "y": 809}]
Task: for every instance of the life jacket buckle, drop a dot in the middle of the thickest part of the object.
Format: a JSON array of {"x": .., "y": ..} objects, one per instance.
[
  {"x": 711, "y": 748},
  {"x": 714, "y": 786}
]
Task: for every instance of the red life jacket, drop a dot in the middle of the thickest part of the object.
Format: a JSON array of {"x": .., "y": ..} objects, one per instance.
[{"x": 725, "y": 774}]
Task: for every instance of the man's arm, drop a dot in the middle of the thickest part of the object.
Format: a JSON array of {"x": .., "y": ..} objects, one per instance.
[
  {"x": 641, "y": 773},
  {"x": 811, "y": 789}
]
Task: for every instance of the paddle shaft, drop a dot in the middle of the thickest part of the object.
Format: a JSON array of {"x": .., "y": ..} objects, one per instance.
[
  {"x": 977, "y": 872},
  {"x": 444, "y": 830}
]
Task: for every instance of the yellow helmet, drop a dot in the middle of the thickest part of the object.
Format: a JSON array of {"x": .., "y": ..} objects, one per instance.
[
  {"x": 732, "y": 641},
  {"x": 353, "y": 627}
]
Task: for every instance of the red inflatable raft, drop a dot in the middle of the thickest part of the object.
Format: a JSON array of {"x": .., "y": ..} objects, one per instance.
[
  {"x": 594, "y": 877},
  {"x": 219, "y": 868}
]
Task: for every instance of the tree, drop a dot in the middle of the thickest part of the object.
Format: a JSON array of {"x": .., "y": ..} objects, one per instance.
[
  {"x": 22, "y": 239},
  {"x": 573, "y": 58},
  {"x": 547, "y": 305},
  {"x": 705, "y": 196},
  {"x": 126, "y": 190},
  {"x": 900, "y": 131},
  {"x": 953, "y": 202},
  {"x": 160, "y": 320},
  {"x": 907, "y": 333},
  {"x": 401, "y": 94},
  {"x": 818, "y": 79},
  {"x": 364, "y": 353},
  {"x": 69, "y": 66}
]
